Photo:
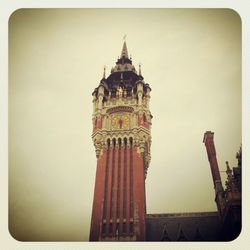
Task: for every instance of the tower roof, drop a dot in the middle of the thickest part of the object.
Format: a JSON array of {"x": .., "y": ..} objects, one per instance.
[
  {"x": 124, "y": 59},
  {"x": 123, "y": 74},
  {"x": 124, "y": 53}
]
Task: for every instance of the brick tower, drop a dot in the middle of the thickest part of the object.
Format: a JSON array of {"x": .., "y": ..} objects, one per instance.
[
  {"x": 121, "y": 136},
  {"x": 208, "y": 140}
]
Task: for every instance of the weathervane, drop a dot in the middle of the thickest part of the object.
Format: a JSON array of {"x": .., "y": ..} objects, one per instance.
[{"x": 124, "y": 37}]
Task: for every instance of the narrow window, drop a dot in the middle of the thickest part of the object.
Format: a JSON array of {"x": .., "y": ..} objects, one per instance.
[
  {"x": 103, "y": 228},
  {"x": 131, "y": 227},
  {"x": 110, "y": 228}
]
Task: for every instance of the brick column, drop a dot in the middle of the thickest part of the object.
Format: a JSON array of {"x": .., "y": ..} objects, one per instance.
[
  {"x": 95, "y": 229},
  {"x": 208, "y": 139},
  {"x": 121, "y": 188},
  {"x": 109, "y": 189},
  {"x": 115, "y": 190},
  {"x": 128, "y": 189},
  {"x": 139, "y": 196}
]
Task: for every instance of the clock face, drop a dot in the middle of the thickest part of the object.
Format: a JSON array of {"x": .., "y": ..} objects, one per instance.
[{"x": 120, "y": 121}]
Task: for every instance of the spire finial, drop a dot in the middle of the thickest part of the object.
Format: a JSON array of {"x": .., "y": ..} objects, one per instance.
[
  {"x": 104, "y": 71},
  {"x": 229, "y": 170},
  {"x": 124, "y": 48},
  {"x": 239, "y": 156},
  {"x": 139, "y": 69}
]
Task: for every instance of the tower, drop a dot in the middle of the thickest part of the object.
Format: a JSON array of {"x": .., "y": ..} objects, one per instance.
[
  {"x": 208, "y": 140},
  {"x": 121, "y": 136}
]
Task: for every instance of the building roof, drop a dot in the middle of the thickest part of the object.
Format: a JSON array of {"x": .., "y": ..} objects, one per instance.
[
  {"x": 204, "y": 226},
  {"x": 123, "y": 75}
]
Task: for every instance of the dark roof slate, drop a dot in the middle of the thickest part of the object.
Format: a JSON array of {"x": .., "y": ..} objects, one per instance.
[{"x": 183, "y": 227}]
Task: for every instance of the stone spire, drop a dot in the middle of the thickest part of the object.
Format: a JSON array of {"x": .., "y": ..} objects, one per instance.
[
  {"x": 124, "y": 53},
  {"x": 231, "y": 182},
  {"x": 104, "y": 72},
  {"x": 139, "y": 69},
  {"x": 239, "y": 157}
]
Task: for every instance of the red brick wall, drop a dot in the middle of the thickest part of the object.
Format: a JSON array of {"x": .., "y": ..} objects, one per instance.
[{"x": 131, "y": 162}]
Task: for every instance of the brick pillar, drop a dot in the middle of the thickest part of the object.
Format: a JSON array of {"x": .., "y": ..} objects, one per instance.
[
  {"x": 109, "y": 188},
  {"x": 121, "y": 188},
  {"x": 128, "y": 189},
  {"x": 139, "y": 196},
  {"x": 115, "y": 189},
  {"x": 96, "y": 220},
  {"x": 208, "y": 139}
]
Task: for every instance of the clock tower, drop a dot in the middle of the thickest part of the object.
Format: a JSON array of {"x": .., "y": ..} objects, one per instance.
[{"x": 121, "y": 136}]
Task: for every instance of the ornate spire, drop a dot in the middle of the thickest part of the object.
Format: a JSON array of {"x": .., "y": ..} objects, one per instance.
[
  {"x": 239, "y": 157},
  {"x": 104, "y": 72},
  {"x": 124, "y": 53},
  {"x": 229, "y": 171},
  {"x": 231, "y": 182},
  {"x": 139, "y": 69}
]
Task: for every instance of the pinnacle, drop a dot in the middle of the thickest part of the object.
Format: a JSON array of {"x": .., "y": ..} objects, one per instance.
[{"x": 124, "y": 52}]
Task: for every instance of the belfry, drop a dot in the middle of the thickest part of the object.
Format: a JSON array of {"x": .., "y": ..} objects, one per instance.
[{"x": 121, "y": 136}]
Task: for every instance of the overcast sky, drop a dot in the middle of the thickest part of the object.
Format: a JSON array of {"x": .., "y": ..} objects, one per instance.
[{"x": 192, "y": 60}]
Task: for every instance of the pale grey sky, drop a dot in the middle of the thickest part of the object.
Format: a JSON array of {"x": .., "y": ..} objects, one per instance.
[{"x": 190, "y": 57}]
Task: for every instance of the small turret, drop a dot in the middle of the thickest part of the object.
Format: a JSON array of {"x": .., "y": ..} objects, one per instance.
[
  {"x": 104, "y": 72},
  {"x": 139, "y": 69},
  {"x": 140, "y": 92},
  {"x": 100, "y": 96}
]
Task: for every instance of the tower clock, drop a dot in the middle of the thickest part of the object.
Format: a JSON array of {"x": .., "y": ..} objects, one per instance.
[{"x": 120, "y": 121}]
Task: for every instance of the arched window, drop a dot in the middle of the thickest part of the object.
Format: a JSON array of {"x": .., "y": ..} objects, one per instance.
[
  {"x": 119, "y": 142},
  {"x": 125, "y": 141},
  {"x": 131, "y": 141},
  {"x": 108, "y": 142},
  {"x": 113, "y": 141}
]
